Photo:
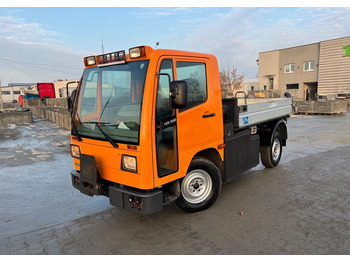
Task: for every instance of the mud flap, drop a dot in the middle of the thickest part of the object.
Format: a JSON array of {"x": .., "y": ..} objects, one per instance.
[{"x": 90, "y": 182}]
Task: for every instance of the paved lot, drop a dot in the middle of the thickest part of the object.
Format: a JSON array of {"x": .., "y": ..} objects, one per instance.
[{"x": 300, "y": 207}]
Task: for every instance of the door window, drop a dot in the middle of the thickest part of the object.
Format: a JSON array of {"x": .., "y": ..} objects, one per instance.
[
  {"x": 194, "y": 74},
  {"x": 166, "y": 135}
]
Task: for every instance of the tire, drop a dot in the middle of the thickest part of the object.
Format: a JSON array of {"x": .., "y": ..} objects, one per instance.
[
  {"x": 271, "y": 155},
  {"x": 200, "y": 187}
]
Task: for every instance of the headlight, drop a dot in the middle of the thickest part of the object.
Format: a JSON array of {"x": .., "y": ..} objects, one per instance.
[
  {"x": 75, "y": 151},
  {"x": 129, "y": 163}
]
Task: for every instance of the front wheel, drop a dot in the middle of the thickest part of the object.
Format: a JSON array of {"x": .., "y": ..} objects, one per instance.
[
  {"x": 200, "y": 187},
  {"x": 271, "y": 155}
]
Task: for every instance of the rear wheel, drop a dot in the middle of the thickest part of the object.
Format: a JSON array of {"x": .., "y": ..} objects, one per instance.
[
  {"x": 200, "y": 187},
  {"x": 271, "y": 155}
]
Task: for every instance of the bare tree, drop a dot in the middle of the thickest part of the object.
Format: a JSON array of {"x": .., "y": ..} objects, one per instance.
[{"x": 230, "y": 80}]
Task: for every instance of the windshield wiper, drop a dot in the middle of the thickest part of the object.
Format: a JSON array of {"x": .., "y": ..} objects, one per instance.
[
  {"x": 109, "y": 98},
  {"x": 76, "y": 131},
  {"x": 114, "y": 144}
]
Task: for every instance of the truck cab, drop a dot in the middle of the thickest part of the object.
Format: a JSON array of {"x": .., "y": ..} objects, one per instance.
[{"x": 148, "y": 130}]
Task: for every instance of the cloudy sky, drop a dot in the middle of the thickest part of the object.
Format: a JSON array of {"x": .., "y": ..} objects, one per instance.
[{"x": 48, "y": 43}]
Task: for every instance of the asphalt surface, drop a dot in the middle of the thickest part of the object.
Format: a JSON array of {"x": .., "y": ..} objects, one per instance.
[{"x": 300, "y": 207}]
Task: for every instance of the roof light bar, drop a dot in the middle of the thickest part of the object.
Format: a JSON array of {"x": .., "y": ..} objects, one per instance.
[
  {"x": 137, "y": 52},
  {"x": 113, "y": 58}
]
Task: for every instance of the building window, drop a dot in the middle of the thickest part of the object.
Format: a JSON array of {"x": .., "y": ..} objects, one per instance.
[
  {"x": 289, "y": 68},
  {"x": 6, "y": 92},
  {"x": 16, "y": 92},
  {"x": 265, "y": 87},
  {"x": 252, "y": 88},
  {"x": 292, "y": 86},
  {"x": 271, "y": 82},
  {"x": 309, "y": 66}
]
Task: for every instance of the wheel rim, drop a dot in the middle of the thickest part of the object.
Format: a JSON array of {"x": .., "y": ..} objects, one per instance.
[
  {"x": 196, "y": 186},
  {"x": 276, "y": 149}
]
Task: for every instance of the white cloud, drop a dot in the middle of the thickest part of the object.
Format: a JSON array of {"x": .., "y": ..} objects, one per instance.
[
  {"x": 19, "y": 30},
  {"x": 32, "y": 53},
  {"x": 28, "y": 62}
]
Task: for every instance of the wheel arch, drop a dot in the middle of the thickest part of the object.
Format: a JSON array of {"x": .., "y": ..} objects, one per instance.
[
  {"x": 212, "y": 155},
  {"x": 266, "y": 132}
]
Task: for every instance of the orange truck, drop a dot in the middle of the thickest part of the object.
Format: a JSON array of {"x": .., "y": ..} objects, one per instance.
[{"x": 150, "y": 129}]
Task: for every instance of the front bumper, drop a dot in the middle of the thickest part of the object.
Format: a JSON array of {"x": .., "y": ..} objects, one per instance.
[
  {"x": 131, "y": 199},
  {"x": 89, "y": 182},
  {"x": 142, "y": 202}
]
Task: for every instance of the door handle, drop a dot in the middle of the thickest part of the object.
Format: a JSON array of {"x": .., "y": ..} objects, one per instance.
[{"x": 208, "y": 115}]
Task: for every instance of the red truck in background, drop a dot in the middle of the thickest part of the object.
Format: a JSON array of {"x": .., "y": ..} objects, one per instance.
[
  {"x": 41, "y": 91},
  {"x": 46, "y": 90}
]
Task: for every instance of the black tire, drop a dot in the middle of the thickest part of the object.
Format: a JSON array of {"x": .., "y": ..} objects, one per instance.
[
  {"x": 271, "y": 155},
  {"x": 200, "y": 187}
]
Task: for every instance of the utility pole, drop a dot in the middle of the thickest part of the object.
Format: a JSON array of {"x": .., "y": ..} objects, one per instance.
[{"x": 1, "y": 103}]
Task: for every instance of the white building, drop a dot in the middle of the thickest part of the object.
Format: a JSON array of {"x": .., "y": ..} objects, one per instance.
[{"x": 12, "y": 91}]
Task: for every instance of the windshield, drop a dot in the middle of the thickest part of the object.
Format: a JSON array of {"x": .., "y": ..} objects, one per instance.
[{"x": 111, "y": 96}]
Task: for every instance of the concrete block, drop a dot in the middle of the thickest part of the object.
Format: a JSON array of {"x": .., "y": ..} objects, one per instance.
[
  {"x": 331, "y": 107},
  {"x": 57, "y": 102},
  {"x": 16, "y": 117},
  {"x": 305, "y": 106}
]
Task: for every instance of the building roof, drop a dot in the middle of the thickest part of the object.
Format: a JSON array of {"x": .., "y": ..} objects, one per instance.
[
  {"x": 21, "y": 84},
  {"x": 304, "y": 44}
]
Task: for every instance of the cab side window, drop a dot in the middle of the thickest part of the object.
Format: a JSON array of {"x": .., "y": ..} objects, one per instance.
[
  {"x": 163, "y": 104},
  {"x": 194, "y": 74},
  {"x": 166, "y": 137}
]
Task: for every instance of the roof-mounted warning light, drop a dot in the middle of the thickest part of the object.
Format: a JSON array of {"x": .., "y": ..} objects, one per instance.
[
  {"x": 90, "y": 61},
  {"x": 117, "y": 57},
  {"x": 112, "y": 58},
  {"x": 137, "y": 52}
]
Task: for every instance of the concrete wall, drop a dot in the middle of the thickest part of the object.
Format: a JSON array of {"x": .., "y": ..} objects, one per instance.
[
  {"x": 57, "y": 115},
  {"x": 55, "y": 110},
  {"x": 16, "y": 117}
]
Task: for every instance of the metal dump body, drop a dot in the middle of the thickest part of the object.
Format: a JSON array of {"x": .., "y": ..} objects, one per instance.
[{"x": 256, "y": 111}]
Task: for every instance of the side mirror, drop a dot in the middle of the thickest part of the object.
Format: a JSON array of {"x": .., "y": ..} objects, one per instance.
[
  {"x": 178, "y": 94},
  {"x": 71, "y": 100}
]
